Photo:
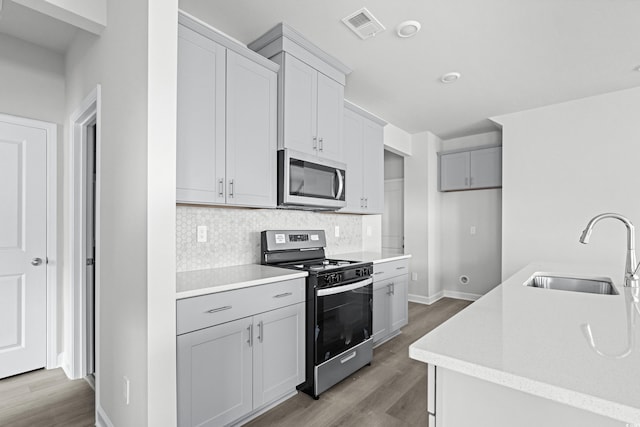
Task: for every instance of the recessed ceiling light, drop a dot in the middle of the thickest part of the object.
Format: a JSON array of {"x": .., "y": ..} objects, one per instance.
[
  {"x": 408, "y": 29},
  {"x": 450, "y": 77}
]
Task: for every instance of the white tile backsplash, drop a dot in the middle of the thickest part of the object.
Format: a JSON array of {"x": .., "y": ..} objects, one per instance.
[{"x": 234, "y": 233}]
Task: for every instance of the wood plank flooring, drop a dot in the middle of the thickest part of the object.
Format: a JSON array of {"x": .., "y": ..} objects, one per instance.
[
  {"x": 391, "y": 392},
  {"x": 46, "y": 399}
]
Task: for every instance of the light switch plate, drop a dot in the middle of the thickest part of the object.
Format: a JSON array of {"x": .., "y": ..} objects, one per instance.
[{"x": 337, "y": 229}]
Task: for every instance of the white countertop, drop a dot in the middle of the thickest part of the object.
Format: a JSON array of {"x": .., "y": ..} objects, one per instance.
[
  {"x": 202, "y": 282},
  {"x": 374, "y": 257},
  {"x": 533, "y": 340}
]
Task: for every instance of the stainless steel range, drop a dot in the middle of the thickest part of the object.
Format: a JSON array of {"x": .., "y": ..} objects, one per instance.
[{"x": 338, "y": 308}]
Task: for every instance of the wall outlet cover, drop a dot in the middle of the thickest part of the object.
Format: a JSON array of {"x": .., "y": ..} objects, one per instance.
[
  {"x": 337, "y": 231},
  {"x": 202, "y": 233},
  {"x": 414, "y": 276}
]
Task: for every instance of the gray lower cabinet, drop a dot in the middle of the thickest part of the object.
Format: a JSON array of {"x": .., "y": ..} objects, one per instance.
[
  {"x": 226, "y": 121},
  {"x": 390, "y": 299},
  {"x": 228, "y": 371}
]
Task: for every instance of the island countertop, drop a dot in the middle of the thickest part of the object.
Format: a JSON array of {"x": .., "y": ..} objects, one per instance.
[
  {"x": 202, "y": 282},
  {"x": 536, "y": 341}
]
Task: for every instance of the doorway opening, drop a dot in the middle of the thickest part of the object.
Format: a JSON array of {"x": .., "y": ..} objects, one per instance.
[
  {"x": 393, "y": 217},
  {"x": 85, "y": 234}
]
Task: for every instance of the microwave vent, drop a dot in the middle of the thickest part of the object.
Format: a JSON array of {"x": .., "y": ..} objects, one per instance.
[{"x": 363, "y": 23}]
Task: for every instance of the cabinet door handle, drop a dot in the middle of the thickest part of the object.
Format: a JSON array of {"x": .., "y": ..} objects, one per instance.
[
  {"x": 393, "y": 288},
  {"x": 260, "y": 331},
  {"x": 321, "y": 144},
  {"x": 315, "y": 143},
  {"x": 231, "y": 188},
  {"x": 215, "y": 310},
  {"x": 250, "y": 340},
  {"x": 221, "y": 187},
  {"x": 471, "y": 181},
  {"x": 389, "y": 289},
  {"x": 466, "y": 181},
  {"x": 366, "y": 202},
  {"x": 286, "y": 294},
  {"x": 362, "y": 202},
  {"x": 400, "y": 268}
]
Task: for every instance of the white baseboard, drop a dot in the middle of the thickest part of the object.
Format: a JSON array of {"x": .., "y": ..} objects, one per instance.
[
  {"x": 64, "y": 364},
  {"x": 421, "y": 299},
  {"x": 102, "y": 420},
  {"x": 462, "y": 295}
]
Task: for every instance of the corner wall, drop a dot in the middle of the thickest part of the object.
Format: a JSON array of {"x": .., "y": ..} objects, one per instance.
[{"x": 563, "y": 164}]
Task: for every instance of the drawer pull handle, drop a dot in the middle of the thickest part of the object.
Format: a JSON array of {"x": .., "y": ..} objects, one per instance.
[
  {"x": 349, "y": 357},
  {"x": 215, "y": 310},
  {"x": 378, "y": 272},
  {"x": 286, "y": 294},
  {"x": 400, "y": 268}
]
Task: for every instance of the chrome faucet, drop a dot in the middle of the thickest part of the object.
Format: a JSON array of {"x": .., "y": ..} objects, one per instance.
[{"x": 631, "y": 266}]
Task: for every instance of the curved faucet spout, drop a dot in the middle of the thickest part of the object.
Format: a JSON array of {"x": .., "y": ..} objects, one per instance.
[{"x": 631, "y": 265}]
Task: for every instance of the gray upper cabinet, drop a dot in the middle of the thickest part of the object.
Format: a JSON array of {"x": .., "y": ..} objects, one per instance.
[
  {"x": 470, "y": 169},
  {"x": 311, "y": 93},
  {"x": 226, "y": 121},
  {"x": 364, "y": 155}
]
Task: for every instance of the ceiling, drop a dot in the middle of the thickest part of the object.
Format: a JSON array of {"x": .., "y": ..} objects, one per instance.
[
  {"x": 513, "y": 55},
  {"x": 27, "y": 24}
]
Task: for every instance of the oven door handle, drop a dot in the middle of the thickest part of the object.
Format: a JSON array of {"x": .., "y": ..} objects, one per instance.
[{"x": 344, "y": 288}]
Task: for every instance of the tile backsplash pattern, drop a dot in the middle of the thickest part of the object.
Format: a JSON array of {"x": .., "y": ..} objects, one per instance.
[{"x": 234, "y": 233}]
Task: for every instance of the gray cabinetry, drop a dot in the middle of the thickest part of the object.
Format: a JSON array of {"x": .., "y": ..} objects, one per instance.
[
  {"x": 229, "y": 367},
  {"x": 470, "y": 169},
  {"x": 390, "y": 299},
  {"x": 364, "y": 155},
  {"x": 226, "y": 121},
  {"x": 311, "y": 93}
]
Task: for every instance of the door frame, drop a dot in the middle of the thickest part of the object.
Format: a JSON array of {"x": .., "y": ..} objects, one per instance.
[
  {"x": 52, "y": 258},
  {"x": 84, "y": 116}
]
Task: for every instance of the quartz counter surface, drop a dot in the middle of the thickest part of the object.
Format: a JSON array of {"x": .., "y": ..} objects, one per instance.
[
  {"x": 575, "y": 348},
  {"x": 374, "y": 257},
  {"x": 202, "y": 282}
]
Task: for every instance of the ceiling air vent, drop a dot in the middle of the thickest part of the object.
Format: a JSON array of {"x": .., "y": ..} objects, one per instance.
[{"x": 363, "y": 23}]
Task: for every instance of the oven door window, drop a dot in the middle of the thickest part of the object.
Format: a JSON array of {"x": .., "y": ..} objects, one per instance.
[{"x": 342, "y": 321}]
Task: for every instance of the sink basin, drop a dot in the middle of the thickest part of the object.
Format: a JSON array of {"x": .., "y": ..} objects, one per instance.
[{"x": 593, "y": 285}]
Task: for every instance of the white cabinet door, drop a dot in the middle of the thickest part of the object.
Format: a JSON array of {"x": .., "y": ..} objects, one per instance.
[
  {"x": 398, "y": 307},
  {"x": 299, "y": 106},
  {"x": 352, "y": 140},
  {"x": 454, "y": 171},
  {"x": 200, "y": 119},
  {"x": 373, "y": 167},
  {"x": 330, "y": 114},
  {"x": 279, "y": 353},
  {"x": 486, "y": 168},
  {"x": 380, "y": 310},
  {"x": 251, "y": 133},
  {"x": 215, "y": 374}
]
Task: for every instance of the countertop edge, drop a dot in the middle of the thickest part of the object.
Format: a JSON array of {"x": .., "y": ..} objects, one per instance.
[
  {"x": 240, "y": 285},
  {"x": 599, "y": 406},
  {"x": 392, "y": 258}
]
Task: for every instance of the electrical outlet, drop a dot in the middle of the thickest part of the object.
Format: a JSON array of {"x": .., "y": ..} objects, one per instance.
[
  {"x": 125, "y": 389},
  {"x": 337, "y": 231},
  {"x": 414, "y": 276},
  {"x": 369, "y": 232},
  {"x": 472, "y": 230},
  {"x": 202, "y": 233}
]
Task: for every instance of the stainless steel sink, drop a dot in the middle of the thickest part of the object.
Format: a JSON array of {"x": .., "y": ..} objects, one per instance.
[{"x": 596, "y": 285}]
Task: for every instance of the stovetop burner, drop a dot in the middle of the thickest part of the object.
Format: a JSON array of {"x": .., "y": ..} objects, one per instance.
[{"x": 327, "y": 264}]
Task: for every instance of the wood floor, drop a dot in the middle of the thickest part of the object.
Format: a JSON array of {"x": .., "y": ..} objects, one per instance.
[
  {"x": 46, "y": 399},
  {"x": 391, "y": 392}
]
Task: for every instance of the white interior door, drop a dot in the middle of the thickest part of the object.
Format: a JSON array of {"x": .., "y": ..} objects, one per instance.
[
  {"x": 23, "y": 227},
  {"x": 393, "y": 217}
]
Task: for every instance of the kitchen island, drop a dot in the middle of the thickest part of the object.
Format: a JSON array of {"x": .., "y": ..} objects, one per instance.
[{"x": 527, "y": 356}]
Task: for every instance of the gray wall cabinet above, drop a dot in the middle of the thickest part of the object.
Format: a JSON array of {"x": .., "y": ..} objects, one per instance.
[{"x": 471, "y": 169}]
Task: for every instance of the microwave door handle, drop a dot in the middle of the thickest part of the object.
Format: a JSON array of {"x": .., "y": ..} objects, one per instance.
[
  {"x": 344, "y": 288},
  {"x": 340, "y": 184}
]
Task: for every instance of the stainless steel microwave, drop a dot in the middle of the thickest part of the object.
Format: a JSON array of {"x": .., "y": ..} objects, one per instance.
[{"x": 310, "y": 182}]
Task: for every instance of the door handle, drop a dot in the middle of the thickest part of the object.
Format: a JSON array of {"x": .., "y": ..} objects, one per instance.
[
  {"x": 231, "y": 188},
  {"x": 321, "y": 144},
  {"x": 36, "y": 261},
  {"x": 315, "y": 143},
  {"x": 250, "y": 340},
  {"x": 220, "y": 187},
  {"x": 260, "y": 331}
]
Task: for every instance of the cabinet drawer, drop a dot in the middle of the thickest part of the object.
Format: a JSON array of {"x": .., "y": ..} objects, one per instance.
[
  {"x": 209, "y": 310},
  {"x": 389, "y": 269}
]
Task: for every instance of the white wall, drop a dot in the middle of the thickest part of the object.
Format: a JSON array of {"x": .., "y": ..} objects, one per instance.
[
  {"x": 90, "y": 15},
  {"x": 421, "y": 217},
  {"x": 134, "y": 60},
  {"x": 477, "y": 256},
  {"x": 33, "y": 86},
  {"x": 563, "y": 164},
  {"x": 397, "y": 140}
]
